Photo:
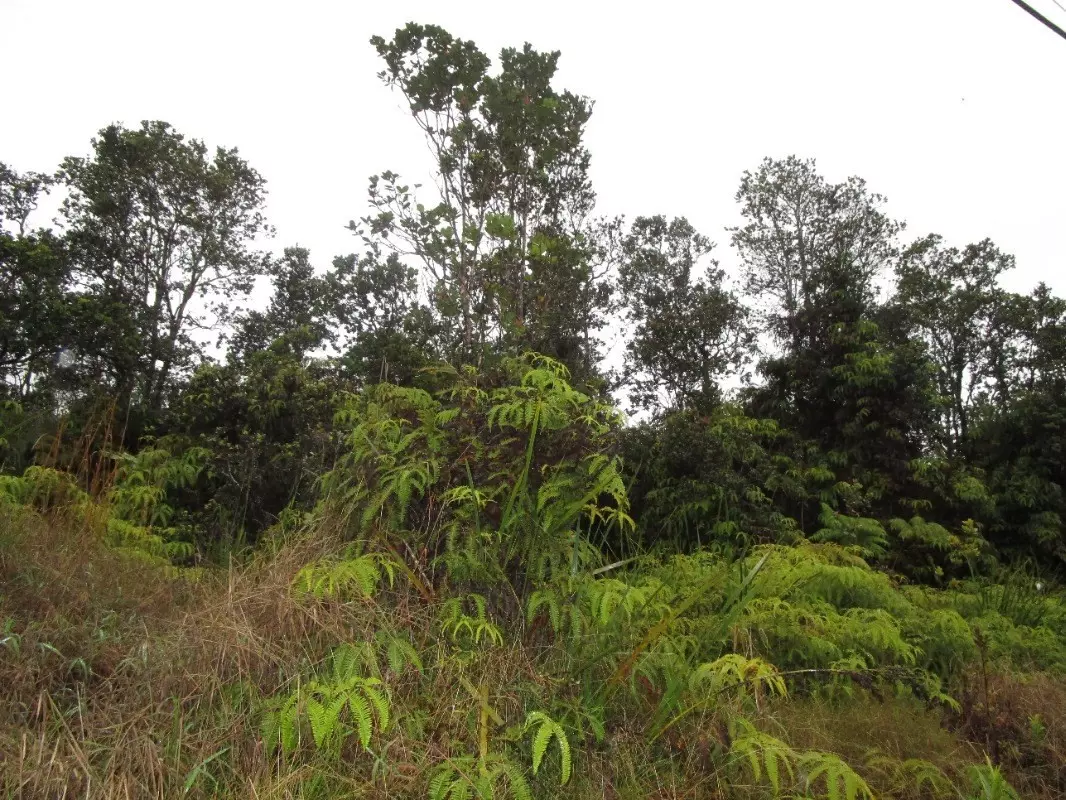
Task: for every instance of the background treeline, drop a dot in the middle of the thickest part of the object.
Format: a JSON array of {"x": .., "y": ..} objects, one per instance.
[
  {"x": 862, "y": 410},
  {"x": 869, "y": 374}
]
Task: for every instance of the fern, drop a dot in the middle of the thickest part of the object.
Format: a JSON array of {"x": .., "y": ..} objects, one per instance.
[
  {"x": 763, "y": 754},
  {"x": 322, "y": 701},
  {"x": 548, "y": 600},
  {"x": 988, "y": 783},
  {"x": 541, "y": 479},
  {"x": 861, "y": 535},
  {"x": 840, "y": 781},
  {"x": 912, "y": 773},
  {"x": 341, "y": 579},
  {"x": 399, "y": 653},
  {"x": 465, "y": 629},
  {"x": 143, "y": 481},
  {"x": 280, "y": 724},
  {"x": 546, "y": 730},
  {"x": 493, "y": 778},
  {"x": 735, "y": 671}
]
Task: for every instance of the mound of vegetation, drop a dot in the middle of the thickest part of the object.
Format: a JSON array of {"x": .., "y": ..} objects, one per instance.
[{"x": 399, "y": 540}]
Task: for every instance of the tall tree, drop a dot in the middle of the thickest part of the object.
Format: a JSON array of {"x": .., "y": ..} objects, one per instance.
[
  {"x": 953, "y": 299},
  {"x": 19, "y": 195},
  {"x": 374, "y": 300},
  {"x": 806, "y": 241},
  {"x": 508, "y": 253},
  {"x": 687, "y": 331},
  {"x": 298, "y": 311},
  {"x": 1040, "y": 352},
  {"x": 810, "y": 252},
  {"x": 35, "y": 319},
  {"x": 163, "y": 236},
  {"x": 845, "y": 378}
]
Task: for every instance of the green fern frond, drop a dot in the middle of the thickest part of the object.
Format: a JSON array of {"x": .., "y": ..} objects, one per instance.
[
  {"x": 345, "y": 578},
  {"x": 361, "y": 715},
  {"x": 400, "y": 653},
  {"x": 516, "y": 782},
  {"x": 764, "y": 753},
  {"x": 841, "y": 782},
  {"x": 546, "y": 730}
]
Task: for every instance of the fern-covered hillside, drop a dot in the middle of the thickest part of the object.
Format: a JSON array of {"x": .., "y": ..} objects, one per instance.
[{"x": 518, "y": 501}]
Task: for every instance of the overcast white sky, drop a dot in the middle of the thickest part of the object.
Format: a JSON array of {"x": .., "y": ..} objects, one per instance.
[{"x": 954, "y": 109}]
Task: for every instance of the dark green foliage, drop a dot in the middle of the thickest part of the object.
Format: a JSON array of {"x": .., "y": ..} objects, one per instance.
[
  {"x": 953, "y": 301},
  {"x": 375, "y": 300},
  {"x": 297, "y": 322},
  {"x": 267, "y": 423},
  {"x": 720, "y": 479},
  {"x": 688, "y": 330},
  {"x": 39, "y": 317},
  {"x": 162, "y": 236}
]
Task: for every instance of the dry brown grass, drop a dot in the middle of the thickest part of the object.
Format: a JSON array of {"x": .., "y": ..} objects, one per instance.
[
  {"x": 854, "y": 727},
  {"x": 1021, "y": 720},
  {"x": 109, "y": 653}
]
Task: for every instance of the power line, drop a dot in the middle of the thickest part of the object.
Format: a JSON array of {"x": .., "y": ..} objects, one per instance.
[
  {"x": 1060, "y": 5},
  {"x": 1041, "y": 17}
]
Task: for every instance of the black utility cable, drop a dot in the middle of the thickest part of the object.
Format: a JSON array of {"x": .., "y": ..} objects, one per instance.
[{"x": 1041, "y": 17}]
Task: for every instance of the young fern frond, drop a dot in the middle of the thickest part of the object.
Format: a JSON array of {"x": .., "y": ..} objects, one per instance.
[
  {"x": 841, "y": 782},
  {"x": 764, "y": 753},
  {"x": 360, "y": 710},
  {"x": 399, "y": 653},
  {"x": 516, "y": 780},
  {"x": 494, "y": 778},
  {"x": 280, "y": 725},
  {"x": 464, "y": 629},
  {"x": 345, "y": 578},
  {"x": 450, "y": 784},
  {"x": 546, "y": 730},
  {"x": 324, "y": 719},
  {"x": 548, "y": 600},
  {"x": 912, "y": 774},
  {"x": 988, "y": 783},
  {"x": 322, "y": 703},
  {"x": 733, "y": 671}
]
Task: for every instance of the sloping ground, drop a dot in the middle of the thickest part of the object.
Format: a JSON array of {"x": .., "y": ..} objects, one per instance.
[{"x": 812, "y": 676}]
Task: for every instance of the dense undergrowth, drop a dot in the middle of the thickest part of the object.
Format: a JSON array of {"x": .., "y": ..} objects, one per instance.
[{"x": 468, "y": 612}]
